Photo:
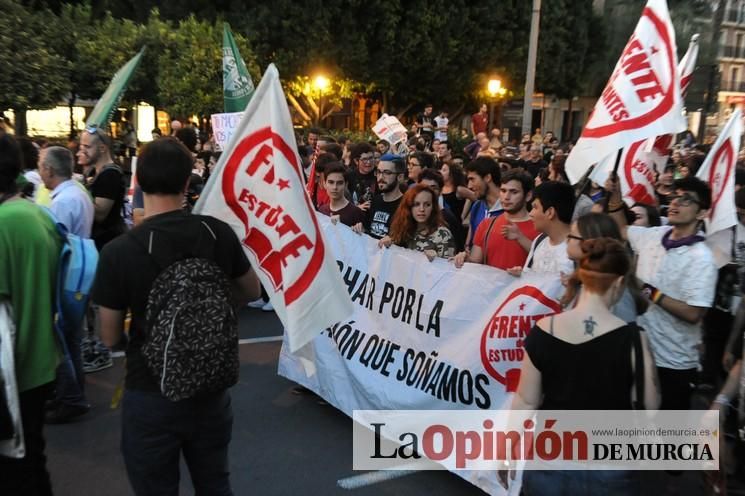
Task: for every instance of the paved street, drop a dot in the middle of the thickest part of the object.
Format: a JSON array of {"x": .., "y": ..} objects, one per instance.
[{"x": 283, "y": 443}]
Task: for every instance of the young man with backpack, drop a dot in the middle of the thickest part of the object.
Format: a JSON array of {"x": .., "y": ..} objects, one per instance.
[{"x": 182, "y": 276}]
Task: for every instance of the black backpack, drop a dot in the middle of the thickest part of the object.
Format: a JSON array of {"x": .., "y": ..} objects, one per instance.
[{"x": 191, "y": 345}]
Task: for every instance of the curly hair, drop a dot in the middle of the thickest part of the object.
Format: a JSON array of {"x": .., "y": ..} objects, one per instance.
[{"x": 403, "y": 226}]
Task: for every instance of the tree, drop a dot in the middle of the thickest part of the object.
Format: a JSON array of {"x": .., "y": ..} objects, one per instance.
[
  {"x": 31, "y": 74},
  {"x": 190, "y": 68}
]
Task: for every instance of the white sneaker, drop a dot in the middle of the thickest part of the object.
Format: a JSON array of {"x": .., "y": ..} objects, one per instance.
[
  {"x": 256, "y": 303},
  {"x": 268, "y": 307}
]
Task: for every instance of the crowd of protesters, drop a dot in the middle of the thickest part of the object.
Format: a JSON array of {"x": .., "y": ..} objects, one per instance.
[{"x": 638, "y": 278}]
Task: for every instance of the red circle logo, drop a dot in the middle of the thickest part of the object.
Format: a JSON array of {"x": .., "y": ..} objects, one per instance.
[
  {"x": 664, "y": 104},
  {"x": 255, "y": 181},
  {"x": 717, "y": 181},
  {"x": 503, "y": 337}
]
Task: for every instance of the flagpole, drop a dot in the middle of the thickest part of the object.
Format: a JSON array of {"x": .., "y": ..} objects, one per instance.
[{"x": 613, "y": 177}]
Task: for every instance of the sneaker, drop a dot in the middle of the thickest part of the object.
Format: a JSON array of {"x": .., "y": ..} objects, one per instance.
[
  {"x": 65, "y": 413},
  {"x": 268, "y": 307},
  {"x": 95, "y": 361},
  {"x": 256, "y": 303}
]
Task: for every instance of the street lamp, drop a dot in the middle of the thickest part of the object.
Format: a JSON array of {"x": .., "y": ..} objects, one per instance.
[
  {"x": 321, "y": 84},
  {"x": 495, "y": 89}
]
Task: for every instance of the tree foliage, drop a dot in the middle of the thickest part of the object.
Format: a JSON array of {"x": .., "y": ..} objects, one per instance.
[
  {"x": 32, "y": 74},
  {"x": 404, "y": 52}
]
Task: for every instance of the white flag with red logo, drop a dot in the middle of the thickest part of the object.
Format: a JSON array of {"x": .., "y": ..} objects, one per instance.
[
  {"x": 635, "y": 174},
  {"x": 719, "y": 171},
  {"x": 642, "y": 98},
  {"x": 660, "y": 152},
  {"x": 258, "y": 190}
]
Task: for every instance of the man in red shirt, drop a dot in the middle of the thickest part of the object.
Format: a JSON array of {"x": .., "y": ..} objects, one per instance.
[
  {"x": 479, "y": 121},
  {"x": 504, "y": 242}
]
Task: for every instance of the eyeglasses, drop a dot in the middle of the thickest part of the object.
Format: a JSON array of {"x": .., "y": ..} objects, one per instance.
[
  {"x": 367, "y": 159},
  {"x": 578, "y": 238},
  {"x": 384, "y": 173},
  {"x": 413, "y": 164},
  {"x": 685, "y": 200}
]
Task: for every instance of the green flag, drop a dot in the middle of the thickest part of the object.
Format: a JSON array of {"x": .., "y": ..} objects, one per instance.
[
  {"x": 107, "y": 104},
  {"x": 236, "y": 81}
]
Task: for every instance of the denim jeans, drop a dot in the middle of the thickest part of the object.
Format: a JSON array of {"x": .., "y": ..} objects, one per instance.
[
  {"x": 28, "y": 476},
  {"x": 156, "y": 431},
  {"x": 70, "y": 387},
  {"x": 580, "y": 482}
]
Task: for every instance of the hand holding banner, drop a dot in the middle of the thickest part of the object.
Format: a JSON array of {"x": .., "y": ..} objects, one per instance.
[{"x": 258, "y": 189}]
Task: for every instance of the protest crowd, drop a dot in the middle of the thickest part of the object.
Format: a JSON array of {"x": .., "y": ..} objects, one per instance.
[
  {"x": 626, "y": 268},
  {"x": 652, "y": 318}
]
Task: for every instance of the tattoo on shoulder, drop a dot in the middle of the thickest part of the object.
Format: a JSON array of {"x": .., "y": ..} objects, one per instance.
[{"x": 589, "y": 325}]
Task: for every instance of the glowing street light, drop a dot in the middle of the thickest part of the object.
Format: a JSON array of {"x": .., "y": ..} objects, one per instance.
[
  {"x": 494, "y": 87},
  {"x": 321, "y": 82}
]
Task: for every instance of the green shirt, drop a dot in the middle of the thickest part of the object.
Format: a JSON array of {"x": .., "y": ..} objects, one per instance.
[{"x": 29, "y": 251}]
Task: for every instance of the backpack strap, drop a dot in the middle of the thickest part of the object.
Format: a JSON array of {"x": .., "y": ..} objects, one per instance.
[
  {"x": 537, "y": 242},
  {"x": 147, "y": 239},
  {"x": 485, "y": 248},
  {"x": 637, "y": 368}
]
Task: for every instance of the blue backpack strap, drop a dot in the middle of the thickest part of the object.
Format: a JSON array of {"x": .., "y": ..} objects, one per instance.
[{"x": 58, "y": 318}]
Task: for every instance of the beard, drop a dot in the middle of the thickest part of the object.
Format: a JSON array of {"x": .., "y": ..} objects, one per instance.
[{"x": 387, "y": 188}]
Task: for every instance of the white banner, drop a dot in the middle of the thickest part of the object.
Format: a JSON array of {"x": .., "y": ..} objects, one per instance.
[
  {"x": 258, "y": 189},
  {"x": 424, "y": 335},
  {"x": 718, "y": 170},
  {"x": 389, "y": 128},
  {"x": 642, "y": 98},
  {"x": 223, "y": 127}
]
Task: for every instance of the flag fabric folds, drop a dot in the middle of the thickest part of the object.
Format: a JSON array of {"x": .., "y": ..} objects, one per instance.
[
  {"x": 109, "y": 101},
  {"x": 236, "y": 81},
  {"x": 258, "y": 189},
  {"x": 642, "y": 98}
]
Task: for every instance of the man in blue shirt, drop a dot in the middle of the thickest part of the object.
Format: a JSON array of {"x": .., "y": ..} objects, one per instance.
[{"x": 483, "y": 179}]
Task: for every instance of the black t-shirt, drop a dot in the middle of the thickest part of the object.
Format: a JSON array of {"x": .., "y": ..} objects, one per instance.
[
  {"x": 126, "y": 271},
  {"x": 109, "y": 184},
  {"x": 380, "y": 216},
  {"x": 361, "y": 186},
  {"x": 426, "y": 124}
]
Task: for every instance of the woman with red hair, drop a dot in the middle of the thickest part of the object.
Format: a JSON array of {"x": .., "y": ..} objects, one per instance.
[
  {"x": 418, "y": 225},
  {"x": 586, "y": 359}
]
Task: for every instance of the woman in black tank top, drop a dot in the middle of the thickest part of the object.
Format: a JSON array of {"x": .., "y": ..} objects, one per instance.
[{"x": 582, "y": 360}]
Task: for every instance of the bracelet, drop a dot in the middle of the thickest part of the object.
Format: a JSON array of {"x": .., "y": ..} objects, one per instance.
[
  {"x": 613, "y": 210},
  {"x": 652, "y": 293},
  {"x": 723, "y": 399},
  {"x": 614, "y": 207}
]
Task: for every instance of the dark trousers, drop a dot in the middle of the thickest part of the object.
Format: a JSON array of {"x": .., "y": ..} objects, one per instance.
[
  {"x": 676, "y": 387},
  {"x": 70, "y": 384},
  {"x": 579, "y": 482},
  {"x": 156, "y": 431},
  {"x": 716, "y": 328},
  {"x": 28, "y": 476}
]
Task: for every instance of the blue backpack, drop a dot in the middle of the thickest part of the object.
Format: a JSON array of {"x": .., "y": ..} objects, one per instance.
[{"x": 75, "y": 274}]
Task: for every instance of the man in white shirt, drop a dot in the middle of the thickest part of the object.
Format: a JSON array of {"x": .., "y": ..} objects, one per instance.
[
  {"x": 441, "y": 127},
  {"x": 73, "y": 207},
  {"x": 553, "y": 204},
  {"x": 679, "y": 276},
  {"x": 71, "y": 203}
]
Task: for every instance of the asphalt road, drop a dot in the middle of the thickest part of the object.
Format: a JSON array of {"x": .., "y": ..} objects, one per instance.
[{"x": 283, "y": 443}]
